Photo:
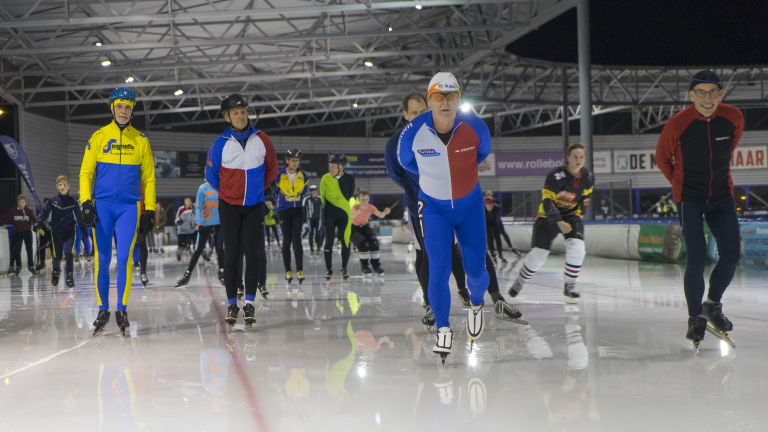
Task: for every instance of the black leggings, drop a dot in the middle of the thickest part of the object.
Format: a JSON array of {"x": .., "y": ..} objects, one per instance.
[
  {"x": 493, "y": 238},
  {"x": 334, "y": 218},
  {"x": 63, "y": 243},
  {"x": 314, "y": 234},
  {"x": 242, "y": 225},
  {"x": 422, "y": 262},
  {"x": 504, "y": 234},
  {"x": 272, "y": 230},
  {"x": 203, "y": 235},
  {"x": 290, "y": 224},
  {"x": 141, "y": 242},
  {"x": 185, "y": 241}
]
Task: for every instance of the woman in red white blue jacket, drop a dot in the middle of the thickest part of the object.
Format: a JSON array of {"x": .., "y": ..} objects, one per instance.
[
  {"x": 444, "y": 147},
  {"x": 241, "y": 164}
]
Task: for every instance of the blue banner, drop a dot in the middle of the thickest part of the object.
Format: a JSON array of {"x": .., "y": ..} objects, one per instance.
[
  {"x": 16, "y": 153},
  {"x": 366, "y": 165}
]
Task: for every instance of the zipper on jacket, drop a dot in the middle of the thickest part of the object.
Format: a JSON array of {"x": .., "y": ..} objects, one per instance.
[
  {"x": 119, "y": 166},
  {"x": 709, "y": 140}
]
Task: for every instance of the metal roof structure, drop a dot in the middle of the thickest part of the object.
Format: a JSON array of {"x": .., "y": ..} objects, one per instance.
[{"x": 308, "y": 63}]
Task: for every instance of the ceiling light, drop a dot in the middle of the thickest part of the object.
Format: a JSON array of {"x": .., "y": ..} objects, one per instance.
[
  {"x": 106, "y": 63},
  {"x": 1, "y": 112},
  {"x": 178, "y": 92},
  {"x": 418, "y": 7},
  {"x": 354, "y": 105},
  {"x": 466, "y": 107},
  {"x": 97, "y": 43},
  {"x": 129, "y": 80},
  {"x": 390, "y": 28},
  {"x": 368, "y": 64}
]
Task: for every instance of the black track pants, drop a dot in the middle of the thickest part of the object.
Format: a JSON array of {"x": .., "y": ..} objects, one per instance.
[
  {"x": 290, "y": 225},
  {"x": 242, "y": 225}
]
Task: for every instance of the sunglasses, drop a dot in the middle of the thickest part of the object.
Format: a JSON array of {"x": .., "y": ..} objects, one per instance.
[{"x": 439, "y": 97}]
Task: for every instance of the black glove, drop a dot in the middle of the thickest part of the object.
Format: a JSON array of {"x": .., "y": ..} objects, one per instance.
[
  {"x": 90, "y": 218},
  {"x": 179, "y": 222},
  {"x": 146, "y": 222}
]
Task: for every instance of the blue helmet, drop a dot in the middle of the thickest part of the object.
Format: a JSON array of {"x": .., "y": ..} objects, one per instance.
[{"x": 122, "y": 93}]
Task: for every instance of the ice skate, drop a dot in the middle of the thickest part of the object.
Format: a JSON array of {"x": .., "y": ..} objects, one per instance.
[
  {"x": 696, "y": 327},
  {"x": 502, "y": 259},
  {"x": 263, "y": 290},
  {"x": 136, "y": 265},
  {"x": 121, "y": 318},
  {"x": 77, "y": 258},
  {"x": 231, "y": 318},
  {"x": 475, "y": 321},
  {"x": 70, "y": 280},
  {"x": 54, "y": 277},
  {"x": 444, "y": 342},
  {"x": 300, "y": 276},
  {"x": 379, "y": 271},
  {"x": 184, "y": 279},
  {"x": 366, "y": 269},
  {"x": 18, "y": 270},
  {"x": 569, "y": 291},
  {"x": 144, "y": 279},
  {"x": 221, "y": 277},
  {"x": 101, "y": 321},
  {"x": 328, "y": 274},
  {"x": 249, "y": 315},
  {"x": 516, "y": 252},
  {"x": 32, "y": 270},
  {"x": 717, "y": 323},
  {"x": 288, "y": 277},
  {"x": 515, "y": 289},
  {"x": 464, "y": 296},
  {"x": 345, "y": 275},
  {"x": 429, "y": 317},
  {"x": 505, "y": 311}
]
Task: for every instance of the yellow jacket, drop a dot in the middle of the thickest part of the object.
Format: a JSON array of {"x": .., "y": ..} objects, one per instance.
[{"x": 117, "y": 165}]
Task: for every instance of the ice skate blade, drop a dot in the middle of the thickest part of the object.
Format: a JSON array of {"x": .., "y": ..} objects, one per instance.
[
  {"x": 513, "y": 320},
  {"x": 695, "y": 346},
  {"x": 99, "y": 332},
  {"x": 723, "y": 336},
  {"x": 571, "y": 300}
]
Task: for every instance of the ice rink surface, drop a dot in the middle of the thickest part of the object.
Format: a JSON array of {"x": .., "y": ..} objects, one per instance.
[{"x": 355, "y": 357}]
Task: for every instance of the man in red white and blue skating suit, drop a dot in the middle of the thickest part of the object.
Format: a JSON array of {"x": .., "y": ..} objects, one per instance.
[{"x": 444, "y": 147}]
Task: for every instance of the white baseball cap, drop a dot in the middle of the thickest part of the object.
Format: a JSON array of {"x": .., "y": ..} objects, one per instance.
[{"x": 442, "y": 82}]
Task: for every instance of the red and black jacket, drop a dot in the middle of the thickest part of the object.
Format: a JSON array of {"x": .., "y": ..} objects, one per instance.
[{"x": 694, "y": 153}]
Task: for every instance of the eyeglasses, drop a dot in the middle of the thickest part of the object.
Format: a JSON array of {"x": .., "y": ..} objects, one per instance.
[
  {"x": 712, "y": 93},
  {"x": 439, "y": 97}
]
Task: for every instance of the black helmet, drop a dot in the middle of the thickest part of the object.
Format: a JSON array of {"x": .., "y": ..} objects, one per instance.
[
  {"x": 313, "y": 187},
  {"x": 293, "y": 153},
  {"x": 233, "y": 101},
  {"x": 337, "y": 158}
]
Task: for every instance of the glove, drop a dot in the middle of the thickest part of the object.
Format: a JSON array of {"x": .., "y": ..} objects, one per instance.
[
  {"x": 90, "y": 218},
  {"x": 179, "y": 222},
  {"x": 146, "y": 222}
]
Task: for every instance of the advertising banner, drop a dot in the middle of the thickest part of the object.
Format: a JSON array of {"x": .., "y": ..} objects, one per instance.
[
  {"x": 526, "y": 164},
  {"x": 748, "y": 158},
  {"x": 19, "y": 157},
  {"x": 366, "y": 165},
  {"x": 754, "y": 237},
  {"x": 664, "y": 243},
  {"x": 601, "y": 162},
  {"x": 191, "y": 164},
  {"x": 488, "y": 167},
  {"x": 634, "y": 161}
]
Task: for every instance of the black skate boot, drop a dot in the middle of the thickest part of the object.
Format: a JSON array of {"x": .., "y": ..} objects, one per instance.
[
  {"x": 696, "y": 327},
  {"x": 101, "y": 321},
  {"x": 515, "y": 289},
  {"x": 328, "y": 274},
  {"x": 288, "y": 277},
  {"x": 366, "y": 269},
  {"x": 144, "y": 279},
  {"x": 475, "y": 321},
  {"x": 516, "y": 252},
  {"x": 54, "y": 277},
  {"x": 240, "y": 290},
  {"x": 444, "y": 342},
  {"x": 429, "y": 318},
  {"x": 263, "y": 290},
  {"x": 70, "y": 280},
  {"x": 231, "y": 318},
  {"x": 184, "y": 279},
  {"x": 249, "y": 315},
  {"x": 136, "y": 265},
  {"x": 18, "y": 270},
  {"x": 713, "y": 312},
  {"x": 464, "y": 296},
  {"x": 569, "y": 291},
  {"x": 502, "y": 259},
  {"x": 221, "y": 276},
  {"x": 32, "y": 270},
  {"x": 121, "y": 318},
  {"x": 505, "y": 311},
  {"x": 300, "y": 276},
  {"x": 377, "y": 268},
  {"x": 345, "y": 275}
]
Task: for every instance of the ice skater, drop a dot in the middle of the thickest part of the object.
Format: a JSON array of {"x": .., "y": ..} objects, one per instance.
[
  {"x": 291, "y": 186},
  {"x": 207, "y": 217},
  {"x": 363, "y": 236},
  {"x": 694, "y": 153},
  {"x": 565, "y": 195},
  {"x": 444, "y": 148},
  {"x": 22, "y": 218},
  {"x": 116, "y": 166},
  {"x": 313, "y": 206},
  {"x": 336, "y": 190}
]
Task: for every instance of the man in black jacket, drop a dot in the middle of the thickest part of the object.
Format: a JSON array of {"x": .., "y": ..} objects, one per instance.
[{"x": 313, "y": 207}]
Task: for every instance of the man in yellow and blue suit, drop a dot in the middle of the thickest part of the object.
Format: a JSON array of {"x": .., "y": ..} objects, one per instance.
[
  {"x": 117, "y": 165},
  {"x": 292, "y": 184}
]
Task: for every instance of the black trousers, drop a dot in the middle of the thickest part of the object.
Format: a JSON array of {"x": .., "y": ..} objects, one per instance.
[
  {"x": 46, "y": 242},
  {"x": 272, "y": 230},
  {"x": 185, "y": 240},
  {"x": 314, "y": 234},
  {"x": 26, "y": 238},
  {"x": 335, "y": 218},
  {"x": 63, "y": 245},
  {"x": 544, "y": 232},
  {"x": 141, "y": 243},
  {"x": 204, "y": 233},
  {"x": 290, "y": 225},
  {"x": 503, "y": 232},
  {"x": 724, "y": 223},
  {"x": 364, "y": 238},
  {"x": 493, "y": 238},
  {"x": 242, "y": 225}
]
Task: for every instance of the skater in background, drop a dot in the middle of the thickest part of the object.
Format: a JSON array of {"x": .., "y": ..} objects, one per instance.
[
  {"x": 207, "y": 218},
  {"x": 158, "y": 232},
  {"x": 241, "y": 165},
  {"x": 566, "y": 193},
  {"x": 703, "y": 189},
  {"x": 363, "y": 236},
  {"x": 186, "y": 227},
  {"x": 270, "y": 224},
  {"x": 336, "y": 189},
  {"x": 22, "y": 218},
  {"x": 291, "y": 187},
  {"x": 108, "y": 209},
  {"x": 65, "y": 215},
  {"x": 493, "y": 234},
  {"x": 313, "y": 206},
  {"x": 450, "y": 198}
]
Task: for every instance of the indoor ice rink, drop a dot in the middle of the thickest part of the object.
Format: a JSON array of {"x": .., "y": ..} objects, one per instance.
[{"x": 318, "y": 93}]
